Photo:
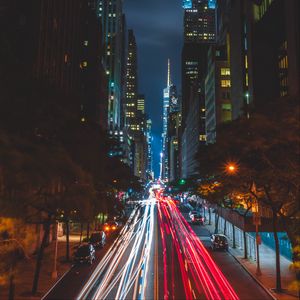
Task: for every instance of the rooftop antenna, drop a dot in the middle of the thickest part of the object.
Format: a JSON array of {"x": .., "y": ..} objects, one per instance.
[{"x": 169, "y": 73}]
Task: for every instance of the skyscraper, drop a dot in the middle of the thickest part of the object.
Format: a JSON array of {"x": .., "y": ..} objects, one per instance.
[
  {"x": 131, "y": 85},
  {"x": 63, "y": 55},
  {"x": 135, "y": 118},
  {"x": 217, "y": 91},
  {"x": 276, "y": 48},
  {"x": 169, "y": 99},
  {"x": 199, "y": 34},
  {"x": 150, "y": 151},
  {"x": 199, "y": 22},
  {"x": 112, "y": 19}
]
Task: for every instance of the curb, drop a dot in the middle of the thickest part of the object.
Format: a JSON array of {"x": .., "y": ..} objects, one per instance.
[
  {"x": 253, "y": 277},
  {"x": 56, "y": 283}
]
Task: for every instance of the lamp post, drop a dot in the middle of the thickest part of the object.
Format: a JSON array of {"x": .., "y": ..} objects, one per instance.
[
  {"x": 231, "y": 169},
  {"x": 258, "y": 242},
  {"x": 247, "y": 95},
  {"x": 256, "y": 222},
  {"x": 54, "y": 272}
]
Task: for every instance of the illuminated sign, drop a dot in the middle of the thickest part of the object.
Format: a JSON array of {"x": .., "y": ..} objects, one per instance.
[
  {"x": 187, "y": 4},
  {"x": 212, "y": 4}
]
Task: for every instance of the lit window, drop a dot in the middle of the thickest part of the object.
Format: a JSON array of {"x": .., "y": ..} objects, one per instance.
[
  {"x": 226, "y": 106},
  {"x": 246, "y": 61},
  {"x": 225, "y": 83},
  {"x": 225, "y": 71}
]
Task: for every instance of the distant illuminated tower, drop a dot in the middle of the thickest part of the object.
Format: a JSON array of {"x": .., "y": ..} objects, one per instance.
[
  {"x": 170, "y": 96},
  {"x": 166, "y": 101},
  {"x": 131, "y": 84}
]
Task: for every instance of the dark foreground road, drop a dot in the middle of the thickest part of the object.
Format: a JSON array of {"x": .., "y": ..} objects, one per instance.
[{"x": 159, "y": 255}]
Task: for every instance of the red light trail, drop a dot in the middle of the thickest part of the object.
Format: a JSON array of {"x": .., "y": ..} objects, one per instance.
[{"x": 198, "y": 271}]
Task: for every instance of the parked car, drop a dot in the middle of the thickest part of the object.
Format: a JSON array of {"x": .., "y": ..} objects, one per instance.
[
  {"x": 192, "y": 212},
  {"x": 197, "y": 219},
  {"x": 219, "y": 241},
  {"x": 85, "y": 253},
  {"x": 98, "y": 239}
]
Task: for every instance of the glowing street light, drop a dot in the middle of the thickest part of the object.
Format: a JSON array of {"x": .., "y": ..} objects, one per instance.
[{"x": 231, "y": 168}]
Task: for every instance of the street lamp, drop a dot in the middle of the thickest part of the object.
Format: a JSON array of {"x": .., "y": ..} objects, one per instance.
[
  {"x": 256, "y": 222},
  {"x": 231, "y": 168}
]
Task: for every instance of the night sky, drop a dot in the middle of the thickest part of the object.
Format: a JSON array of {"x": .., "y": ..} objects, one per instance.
[{"x": 158, "y": 27}]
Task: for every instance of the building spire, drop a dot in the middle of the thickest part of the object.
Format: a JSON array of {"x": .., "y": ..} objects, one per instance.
[{"x": 169, "y": 73}]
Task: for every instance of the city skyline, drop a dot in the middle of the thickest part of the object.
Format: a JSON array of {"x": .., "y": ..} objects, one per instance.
[
  {"x": 158, "y": 27},
  {"x": 149, "y": 149}
]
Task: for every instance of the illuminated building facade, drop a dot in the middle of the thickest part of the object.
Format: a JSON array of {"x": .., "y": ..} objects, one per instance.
[
  {"x": 141, "y": 103},
  {"x": 276, "y": 49},
  {"x": 170, "y": 100},
  {"x": 134, "y": 108},
  {"x": 112, "y": 19},
  {"x": 131, "y": 85},
  {"x": 199, "y": 22},
  {"x": 199, "y": 34},
  {"x": 174, "y": 125},
  {"x": 217, "y": 91},
  {"x": 262, "y": 40},
  {"x": 150, "y": 173},
  {"x": 187, "y": 4},
  {"x": 194, "y": 133}
]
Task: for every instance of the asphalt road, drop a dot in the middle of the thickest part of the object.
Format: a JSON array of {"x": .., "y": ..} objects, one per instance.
[
  {"x": 243, "y": 284},
  {"x": 125, "y": 272},
  {"x": 189, "y": 270},
  {"x": 159, "y": 255},
  {"x": 73, "y": 281}
]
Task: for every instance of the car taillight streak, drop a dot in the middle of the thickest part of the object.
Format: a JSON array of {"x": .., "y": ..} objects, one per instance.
[{"x": 206, "y": 275}]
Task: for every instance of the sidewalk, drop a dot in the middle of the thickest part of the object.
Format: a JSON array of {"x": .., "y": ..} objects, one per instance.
[
  {"x": 267, "y": 266},
  {"x": 25, "y": 271}
]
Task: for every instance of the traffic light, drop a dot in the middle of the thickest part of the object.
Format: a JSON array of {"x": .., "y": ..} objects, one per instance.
[{"x": 182, "y": 181}]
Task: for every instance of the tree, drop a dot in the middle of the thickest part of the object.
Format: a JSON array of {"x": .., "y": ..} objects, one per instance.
[
  {"x": 13, "y": 241},
  {"x": 266, "y": 150},
  {"x": 34, "y": 178},
  {"x": 77, "y": 204}
]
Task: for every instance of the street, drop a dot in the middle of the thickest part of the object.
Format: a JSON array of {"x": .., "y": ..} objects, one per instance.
[{"x": 159, "y": 255}]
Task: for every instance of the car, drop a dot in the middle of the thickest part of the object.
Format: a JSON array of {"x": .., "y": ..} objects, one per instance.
[
  {"x": 85, "y": 253},
  {"x": 219, "y": 242},
  {"x": 98, "y": 239},
  {"x": 197, "y": 219},
  {"x": 110, "y": 226},
  {"x": 192, "y": 212}
]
